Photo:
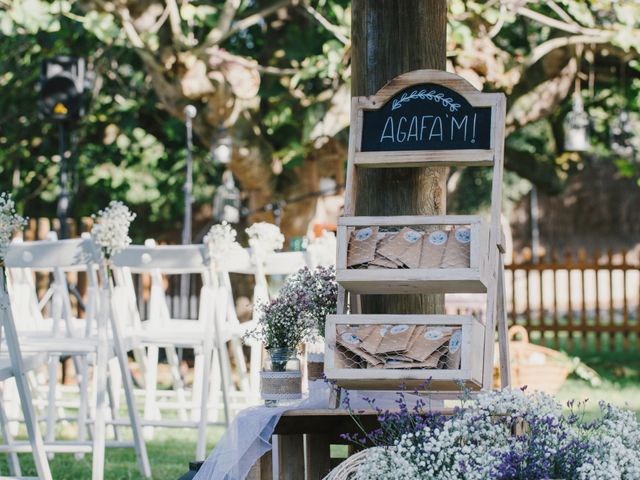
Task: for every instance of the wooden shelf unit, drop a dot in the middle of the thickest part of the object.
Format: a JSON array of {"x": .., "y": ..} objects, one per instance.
[{"x": 486, "y": 271}]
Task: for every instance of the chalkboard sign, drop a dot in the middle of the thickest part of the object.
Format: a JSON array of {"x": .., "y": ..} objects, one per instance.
[{"x": 426, "y": 116}]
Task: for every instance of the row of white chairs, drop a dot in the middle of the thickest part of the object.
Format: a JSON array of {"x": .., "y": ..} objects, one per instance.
[{"x": 112, "y": 327}]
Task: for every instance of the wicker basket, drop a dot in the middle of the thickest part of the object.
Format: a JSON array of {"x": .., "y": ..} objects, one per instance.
[
  {"x": 348, "y": 468},
  {"x": 539, "y": 368}
]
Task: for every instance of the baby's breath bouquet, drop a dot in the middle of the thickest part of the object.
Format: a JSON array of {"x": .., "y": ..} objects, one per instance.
[
  {"x": 10, "y": 221},
  {"x": 282, "y": 323},
  {"x": 320, "y": 291},
  {"x": 220, "y": 241},
  {"x": 111, "y": 230},
  {"x": 506, "y": 435},
  {"x": 265, "y": 237}
]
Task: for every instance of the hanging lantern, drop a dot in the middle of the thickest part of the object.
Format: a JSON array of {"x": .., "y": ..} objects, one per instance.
[
  {"x": 621, "y": 131},
  {"x": 226, "y": 202},
  {"x": 221, "y": 151},
  {"x": 576, "y": 128}
]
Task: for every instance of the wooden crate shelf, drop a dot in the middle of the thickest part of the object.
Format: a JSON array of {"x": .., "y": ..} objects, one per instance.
[
  {"x": 348, "y": 374},
  {"x": 468, "y": 279}
]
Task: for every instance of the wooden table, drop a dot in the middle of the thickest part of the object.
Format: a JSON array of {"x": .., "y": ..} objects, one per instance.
[
  {"x": 313, "y": 431},
  {"x": 310, "y": 434}
]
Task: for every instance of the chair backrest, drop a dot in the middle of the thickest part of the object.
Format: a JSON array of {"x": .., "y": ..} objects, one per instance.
[
  {"x": 45, "y": 255},
  {"x": 156, "y": 261},
  {"x": 57, "y": 257},
  {"x": 237, "y": 261},
  {"x": 170, "y": 259}
]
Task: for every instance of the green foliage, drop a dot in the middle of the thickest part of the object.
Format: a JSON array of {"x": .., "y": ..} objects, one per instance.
[
  {"x": 609, "y": 69},
  {"x": 127, "y": 147}
]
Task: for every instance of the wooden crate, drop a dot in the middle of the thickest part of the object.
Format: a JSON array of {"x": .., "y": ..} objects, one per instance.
[
  {"x": 347, "y": 375},
  {"x": 415, "y": 280}
]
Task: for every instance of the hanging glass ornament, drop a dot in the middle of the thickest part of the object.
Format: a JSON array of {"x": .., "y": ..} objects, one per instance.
[
  {"x": 576, "y": 128},
  {"x": 227, "y": 202},
  {"x": 621, "y": 134},
  {"x": 221, "y": 148}
]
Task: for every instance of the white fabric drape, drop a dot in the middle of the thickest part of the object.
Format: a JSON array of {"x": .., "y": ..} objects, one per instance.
[{"x": 249, "y": 435}]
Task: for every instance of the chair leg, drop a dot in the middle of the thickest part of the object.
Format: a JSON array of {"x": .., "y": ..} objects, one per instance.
[
  {"x": 129, "y": 395},
  {"x": 134, "y": 418},
  {"x": 33, "y": 430},
  {"x": 150, "y": 409},
  {"x": 225, "y": 379},
  {"x": 141, "y": 361},
  {"x": 214, "y": 380},
  {"x": 83, "y": 384},
  {"x": 178, "y": 384},
  {"x": 199, "y": 382},
  {"x": 205, "y": 360},
  {"x": 12, "y": 400},
  {"x": 241, "y": 365},
  {"x": 12, "y": 457},
  {"x": 99, "y": 426},
  {"x": 91, "y": 405},
  {"x": 51, "y": 400},
  {"x": 113, "y": 389},
  {"x": 255, "y": 367}
]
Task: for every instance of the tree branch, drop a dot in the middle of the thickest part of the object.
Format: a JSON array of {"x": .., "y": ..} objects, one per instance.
[
  {"x": 253, "y": 19},
  {"x": 163, "y": 18},
  {"x": 176, "y": 23},
  {"x": 541, "y": 100},
  {"x": 330, "y": 27},
  {"x": 231, "y": 58},
  {"x": 228, "y": 15},
  {"x": 546, "y": 47},
  {"x": 560, "y": 12},
  {"x": 217, "y": 35},
  {"x": 559, "y": 24}
]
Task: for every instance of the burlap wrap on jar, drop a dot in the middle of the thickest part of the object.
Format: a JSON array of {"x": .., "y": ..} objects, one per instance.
[{"x": 281, "y": 385}]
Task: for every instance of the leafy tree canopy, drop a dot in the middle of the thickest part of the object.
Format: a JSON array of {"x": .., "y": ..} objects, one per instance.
[{"x": 275, "y": 75}]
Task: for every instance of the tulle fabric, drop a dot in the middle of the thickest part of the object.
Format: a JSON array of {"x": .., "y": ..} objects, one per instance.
[{"x": 249, "y": 434}]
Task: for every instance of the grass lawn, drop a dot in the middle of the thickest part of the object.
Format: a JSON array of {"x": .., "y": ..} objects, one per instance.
[
  {"x": 172, "y": 449},
  {"x": 169, "y": 454},
  {"x": 620, "y": 374}
]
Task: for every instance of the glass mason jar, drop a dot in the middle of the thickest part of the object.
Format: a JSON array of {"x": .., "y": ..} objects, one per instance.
[
  {"x": 281, "y": 378},
  {"x": 315, "y": 361}
]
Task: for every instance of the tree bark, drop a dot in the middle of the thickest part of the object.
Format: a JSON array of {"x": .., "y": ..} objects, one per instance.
[{"x": 391, "y": 37}]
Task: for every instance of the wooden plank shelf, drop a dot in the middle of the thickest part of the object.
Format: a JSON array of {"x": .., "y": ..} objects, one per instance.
[
  {"x": 425, "y": 158},
  {"x": 347, "y": 374},
  {"x": 412, "y": 281}
]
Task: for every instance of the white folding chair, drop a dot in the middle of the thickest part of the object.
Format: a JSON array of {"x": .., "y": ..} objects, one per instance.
[
  {"x": 100, "y": 340},
  {"x": 60, "y": 322},
  {"x": 16, "y": 366},
  {"x": 161, "y": 330}
]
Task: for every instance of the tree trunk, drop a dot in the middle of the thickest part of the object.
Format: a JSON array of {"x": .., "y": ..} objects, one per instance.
[{"x": 391, "y": 37}]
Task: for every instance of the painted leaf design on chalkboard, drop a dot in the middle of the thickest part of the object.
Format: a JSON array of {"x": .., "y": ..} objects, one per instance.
[{"x": 432, "y": 95}]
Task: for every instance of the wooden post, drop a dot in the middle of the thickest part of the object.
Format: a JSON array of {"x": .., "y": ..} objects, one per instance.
[{"x": 389, "y": 38}]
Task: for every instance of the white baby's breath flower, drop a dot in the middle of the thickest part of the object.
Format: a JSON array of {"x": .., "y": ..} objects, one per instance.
[
  {"x": 10, "y": 221},
  {"x": 111, "y": 230},
  {"x": 265, "y": 237},
  {"x": 220, "y": 241}
]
